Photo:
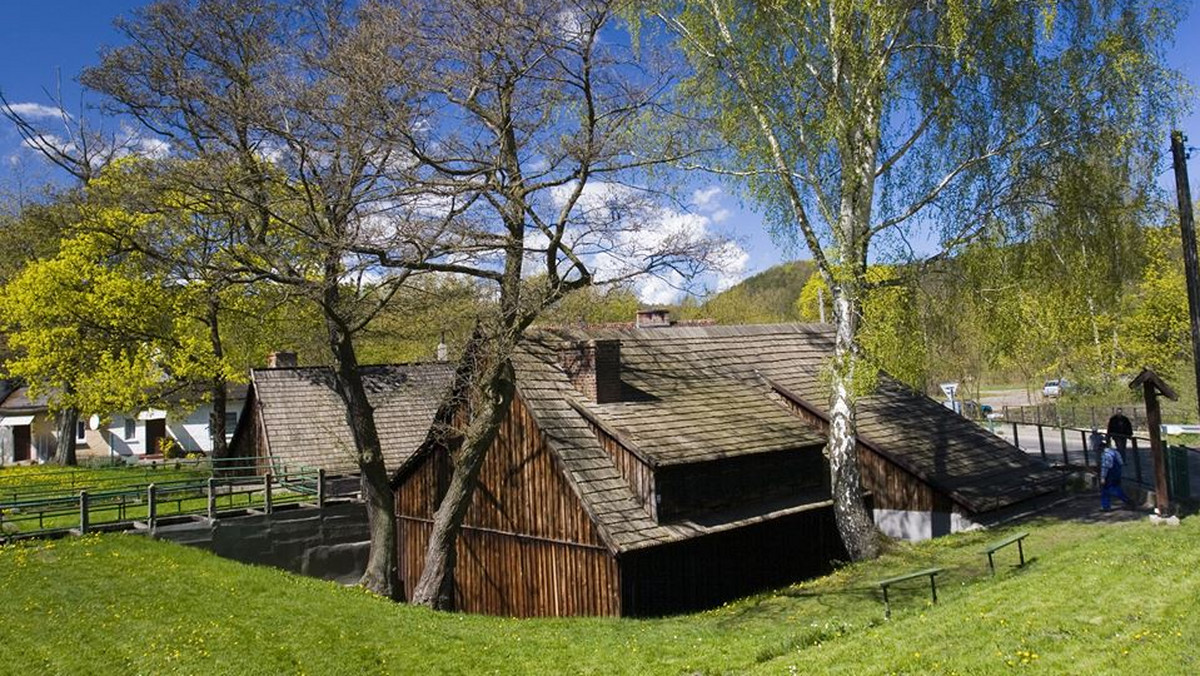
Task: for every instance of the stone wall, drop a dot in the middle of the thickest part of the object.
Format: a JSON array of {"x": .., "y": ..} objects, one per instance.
[{"x": 329, "y": 543}]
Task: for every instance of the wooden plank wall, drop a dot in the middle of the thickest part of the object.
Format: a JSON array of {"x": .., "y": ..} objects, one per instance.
[
  {"x": 528, "y": 547},
  {"x": 893, "y": 486},
  {"x": 637, "y": 474},
  {"x": 518, "y": 576}
]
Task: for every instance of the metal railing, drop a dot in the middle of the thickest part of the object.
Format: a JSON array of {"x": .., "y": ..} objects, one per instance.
[
  {"x": 226, "y": 487},
  {"x": 1068, "y": 446}
]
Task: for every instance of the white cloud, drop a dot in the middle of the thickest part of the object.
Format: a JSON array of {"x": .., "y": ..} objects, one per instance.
[
  {"x": 152, "y": 148},
  {"x": 37, "y": 111},
  {"x": 570, "y": 24},
  {"x": 732, "y": 268},
  {"x": 624, "y": 234},
  {"x": 706, "y": 198}
]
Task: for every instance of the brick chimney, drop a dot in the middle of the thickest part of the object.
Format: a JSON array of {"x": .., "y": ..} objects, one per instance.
[
  {"x": 653, "y": 317},
  {"x": 594, "y": 367},
  {"x": 279, "y": 360}
]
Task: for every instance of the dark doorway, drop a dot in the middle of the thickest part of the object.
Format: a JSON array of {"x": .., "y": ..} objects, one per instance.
[
  {"x": 21, "y": 443},
  {"x": 156, "y": 431}
]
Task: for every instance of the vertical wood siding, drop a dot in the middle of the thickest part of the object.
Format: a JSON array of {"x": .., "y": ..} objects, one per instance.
[
  {"x": 527, "y": 548},
  {"x": 893, "y": 486}
]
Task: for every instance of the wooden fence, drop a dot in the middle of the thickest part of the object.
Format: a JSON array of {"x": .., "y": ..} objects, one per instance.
[{"x": 145, "y": 505}]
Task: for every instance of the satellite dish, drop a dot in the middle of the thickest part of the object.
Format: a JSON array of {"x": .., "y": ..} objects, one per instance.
[{"x": 94, "y": 422}]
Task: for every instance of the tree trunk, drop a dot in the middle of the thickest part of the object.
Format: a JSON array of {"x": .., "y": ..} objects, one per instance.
[
  {"x": 219, "y": 393},
  {"x": 435, "y": 588},
  {"x": 216, "y": 419},
  {"x": 380, "y": 575},
  {"x": 66, "y": 421},
  {"x": 854, "y": 523}
]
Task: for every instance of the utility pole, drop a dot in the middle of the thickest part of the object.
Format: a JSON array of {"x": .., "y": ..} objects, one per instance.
[{"x": 1187, "y": 230}]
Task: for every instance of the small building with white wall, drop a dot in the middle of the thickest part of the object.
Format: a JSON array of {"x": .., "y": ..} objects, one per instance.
[{"x": 28, "y": 432}]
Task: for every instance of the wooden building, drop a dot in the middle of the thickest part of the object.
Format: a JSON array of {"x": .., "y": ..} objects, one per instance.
[{"x": 643, "y": 471}]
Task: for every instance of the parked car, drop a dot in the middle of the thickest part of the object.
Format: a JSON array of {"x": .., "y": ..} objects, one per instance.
[{"x": 1055, "y": 388}]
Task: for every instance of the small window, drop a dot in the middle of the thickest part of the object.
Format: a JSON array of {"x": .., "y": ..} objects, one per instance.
[
  {"x": 130, "y": 428},
  {"x": 230, "y": 422},
  {"x": 80, "y": 430}
]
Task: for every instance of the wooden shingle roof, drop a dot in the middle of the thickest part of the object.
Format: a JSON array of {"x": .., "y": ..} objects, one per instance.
[
  {"x": 678, "y": 384},
  {"x": 305, "y": 420}
]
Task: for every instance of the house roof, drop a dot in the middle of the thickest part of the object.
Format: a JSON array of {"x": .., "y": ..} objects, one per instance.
[
  {"x": 698, "y": 371},
  {"x": 673, "y": 411},
  {"x": 305, "y": 419},
  {"x": 18, "y": 400}
]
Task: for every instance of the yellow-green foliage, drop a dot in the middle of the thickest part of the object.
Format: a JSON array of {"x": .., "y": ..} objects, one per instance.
[
  {"x": 1156, "y": 331},
  {"x": 890, "y": 332},
  {"x": 101, "y": 328}
]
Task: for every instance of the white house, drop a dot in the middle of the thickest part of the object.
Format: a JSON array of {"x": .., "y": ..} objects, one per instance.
[{"x": 27, "y": 430}]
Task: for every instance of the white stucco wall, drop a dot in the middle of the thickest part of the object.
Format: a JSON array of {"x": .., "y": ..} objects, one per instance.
[
  {"x": 190, "y": 430},
  {"x": 916, "y": 526}
]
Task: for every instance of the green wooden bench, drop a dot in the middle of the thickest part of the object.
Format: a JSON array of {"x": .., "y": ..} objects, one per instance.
[
  {"x": 931, "y": 573},
  {"x": 992, "y": 548}
]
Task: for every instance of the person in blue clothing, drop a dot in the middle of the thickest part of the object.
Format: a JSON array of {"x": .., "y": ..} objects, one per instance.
[{"x": 1110, "y": 479}]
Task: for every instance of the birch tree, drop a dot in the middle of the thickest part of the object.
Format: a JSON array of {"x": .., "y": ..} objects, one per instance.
[{"x": 910, "y": 127}]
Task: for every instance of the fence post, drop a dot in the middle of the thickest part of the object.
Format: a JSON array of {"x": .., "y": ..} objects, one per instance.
[
  {"x": 1041, "y": 441},
  {"x": 83, "y": 512},
  {"x": 1062, "y": 438},
  {"x": 1016, "y": 441},
  {"x": 1083, "y": 438},
  {"x": 267, "y": 492},
  {"x": 320, "y": 489},
  {"x": 151, "y": 505},
  {"x": 212, "y": 498},
  {"x": 1137, "y": 460}
]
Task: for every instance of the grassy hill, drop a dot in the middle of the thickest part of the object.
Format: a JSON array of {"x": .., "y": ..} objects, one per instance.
[
  {"x": 769, "y": 296},
  {"x": 1097, "y": 598}
]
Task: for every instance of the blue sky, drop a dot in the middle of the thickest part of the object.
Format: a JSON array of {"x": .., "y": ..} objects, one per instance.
[{"x": 43, "y": 39}]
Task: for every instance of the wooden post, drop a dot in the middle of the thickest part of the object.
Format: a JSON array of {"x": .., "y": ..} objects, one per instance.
[
  {"x": 321, "y": 489},
  {"x": 267, "y": 492},
  {"x": 1137, "y": 459},
  {"x": 1041, "y": 441},
  {"x": 212, "y": 498},
  {"x": 1152, "y": 386},
  {"x": 1153, "y": 421},
  {"x": 1016, "y": 441},
  {"x": 1191, "y": 268},
  {"x": 1062, "y": 439},
  {"x": 83, "y": 512},
  {"x": 151, "y": 505}
]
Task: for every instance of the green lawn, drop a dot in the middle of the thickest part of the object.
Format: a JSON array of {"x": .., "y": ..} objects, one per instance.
[
  {"x": 23, "y": 482},
  {"x": 1095, "y": 599}
]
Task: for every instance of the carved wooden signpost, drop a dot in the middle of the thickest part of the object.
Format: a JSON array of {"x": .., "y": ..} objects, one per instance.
[{"x": 1152, "y": 386}]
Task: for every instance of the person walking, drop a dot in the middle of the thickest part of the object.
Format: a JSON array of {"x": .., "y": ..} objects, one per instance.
[
  {"x": 1119, "y": 431},
  {"x": 1110, "y": 479}
]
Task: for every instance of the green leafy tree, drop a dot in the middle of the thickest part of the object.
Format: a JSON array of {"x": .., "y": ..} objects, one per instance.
[
  {"x": 98, "y": 331},
  {"x": 863, "y": 126}
]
